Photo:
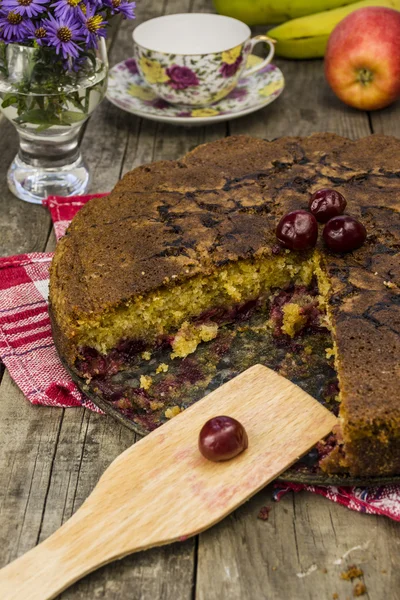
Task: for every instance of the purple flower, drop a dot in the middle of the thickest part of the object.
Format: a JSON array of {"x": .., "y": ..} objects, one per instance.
[
  {"x": 12, "y": 26},
  {"x": 230, "y": 70},
  {"x": 93, "y": 26},
  {"x": 181, "y": 77},
  {"x": 66, "y": 8},
  {"x": 29, "y": 8},
  {"x": 131, "y": 65},
  {"x": 36, "y": 31},
  {"x": 123, "y": 7},
  {"x": 74, "y": 65},
  {"x": 63, "y": 33}
]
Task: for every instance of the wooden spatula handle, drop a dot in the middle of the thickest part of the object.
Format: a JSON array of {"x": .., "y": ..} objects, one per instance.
[{"x": 52, "y": 566}]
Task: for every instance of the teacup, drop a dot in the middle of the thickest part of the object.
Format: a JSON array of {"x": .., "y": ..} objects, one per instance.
[{"x": 195, "y": 59}]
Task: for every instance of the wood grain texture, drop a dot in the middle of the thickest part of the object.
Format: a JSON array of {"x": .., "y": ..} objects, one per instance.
[
  {"x": 306, "y": 106},
  {"x": 75, "y": 471},
  {"x": 386, "y": 121},
  {"x": 299, "y": 553},
  {"x": 23, "y": 227},
  {"x": 124, "y": 513},
  {"x": 26, "y": 455}
]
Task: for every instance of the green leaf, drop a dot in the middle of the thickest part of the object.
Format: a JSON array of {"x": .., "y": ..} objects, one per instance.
[
  {"x": 43, "y": 127},
  {"x": 38, "y": 117},
  {"x": 9, "y": 100},
  {"x": 69, "y": 117},
  {"x": 46, "y": 118},
  {"x": 76, "y": 101}
]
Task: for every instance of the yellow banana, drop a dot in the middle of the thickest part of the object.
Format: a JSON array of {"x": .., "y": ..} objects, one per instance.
[
  {"x": 263, "y": 12},
  {"x": 307, "y": 37}
]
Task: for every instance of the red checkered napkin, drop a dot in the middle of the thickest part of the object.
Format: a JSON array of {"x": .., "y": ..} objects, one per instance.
[
  {"x": 375, "y": 500},
  {"x": 26, "y": 343},
  {"x": 28, "y": 352}
]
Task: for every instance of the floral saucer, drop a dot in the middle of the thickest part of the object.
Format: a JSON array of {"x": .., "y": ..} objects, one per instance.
[{"x": 127, "y": 90}]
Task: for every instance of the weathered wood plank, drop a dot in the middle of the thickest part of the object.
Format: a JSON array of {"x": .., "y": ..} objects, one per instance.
[
  {"x": 89, "y": 442},
  {"x": 27, "y": 447},
  {"x": 147, "y": 141},
  {"x": 307, "y": 105},
  {"x": 24, "y": 227},
  {"x": 29, "y": 436},
  {"x": 105, "y": 139},
  {"x": 300, "y": 552},
  {"x": 387, "y": 121}
]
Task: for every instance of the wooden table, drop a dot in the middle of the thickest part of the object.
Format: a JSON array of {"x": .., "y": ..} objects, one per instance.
[{"x": 50, "y": 459}]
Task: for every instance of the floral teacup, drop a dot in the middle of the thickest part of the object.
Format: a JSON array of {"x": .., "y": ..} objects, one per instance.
[{"x": 195, "y": 58}]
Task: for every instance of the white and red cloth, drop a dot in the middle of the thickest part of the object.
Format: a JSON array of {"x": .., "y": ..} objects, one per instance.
[
  {"x": 28, "y": 352},
  {"x": 26, "y": 343}
]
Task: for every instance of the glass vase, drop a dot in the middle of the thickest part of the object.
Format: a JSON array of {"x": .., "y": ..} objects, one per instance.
[{"x": 48, "y": 102}]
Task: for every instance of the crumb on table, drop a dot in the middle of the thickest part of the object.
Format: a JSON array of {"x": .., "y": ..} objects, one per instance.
[
  {"x": 359, "y": 589},
  {"x": 352, "y": 572},
  {"x": 264, "y": 513}
]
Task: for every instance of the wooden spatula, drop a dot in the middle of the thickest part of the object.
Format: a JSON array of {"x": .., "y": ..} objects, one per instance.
[{"x": 162, "y": 489}]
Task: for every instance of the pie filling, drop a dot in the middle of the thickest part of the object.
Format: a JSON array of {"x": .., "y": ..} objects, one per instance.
[{"x": 270, "y": 311}]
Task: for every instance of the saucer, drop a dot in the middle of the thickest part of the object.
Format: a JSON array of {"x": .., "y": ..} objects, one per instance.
[{"x": 127, "y": 90}]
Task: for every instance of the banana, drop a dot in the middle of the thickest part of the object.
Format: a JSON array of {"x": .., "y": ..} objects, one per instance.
[
  {"x": 263, "y": 12},
  {"x": 307, "y": 37}
]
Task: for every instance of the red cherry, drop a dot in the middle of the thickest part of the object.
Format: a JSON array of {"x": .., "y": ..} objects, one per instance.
[
  {"x": 222, "y": 438},
  {"x": 298, "y": 230},
  {"x": 344, "y": 234},
  {"x": 326, "y": 204}
]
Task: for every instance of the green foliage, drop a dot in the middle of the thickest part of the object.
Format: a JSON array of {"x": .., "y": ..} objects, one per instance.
[{"x": 48, "y": 92}]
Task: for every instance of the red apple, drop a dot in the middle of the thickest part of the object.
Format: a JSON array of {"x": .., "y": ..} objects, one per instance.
[{"x": 362, "y": 60}]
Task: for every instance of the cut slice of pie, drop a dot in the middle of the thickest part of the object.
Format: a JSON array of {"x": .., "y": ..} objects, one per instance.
[{"x": 174, "y": 283}]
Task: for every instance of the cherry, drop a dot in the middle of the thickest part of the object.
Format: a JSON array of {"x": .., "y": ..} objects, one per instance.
[
  {"x": 344, "y": 234},
  {"x": 298, "y": 230},
  {"x": 326, "y": 204},
  {"x": 222, "y": 438}
]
